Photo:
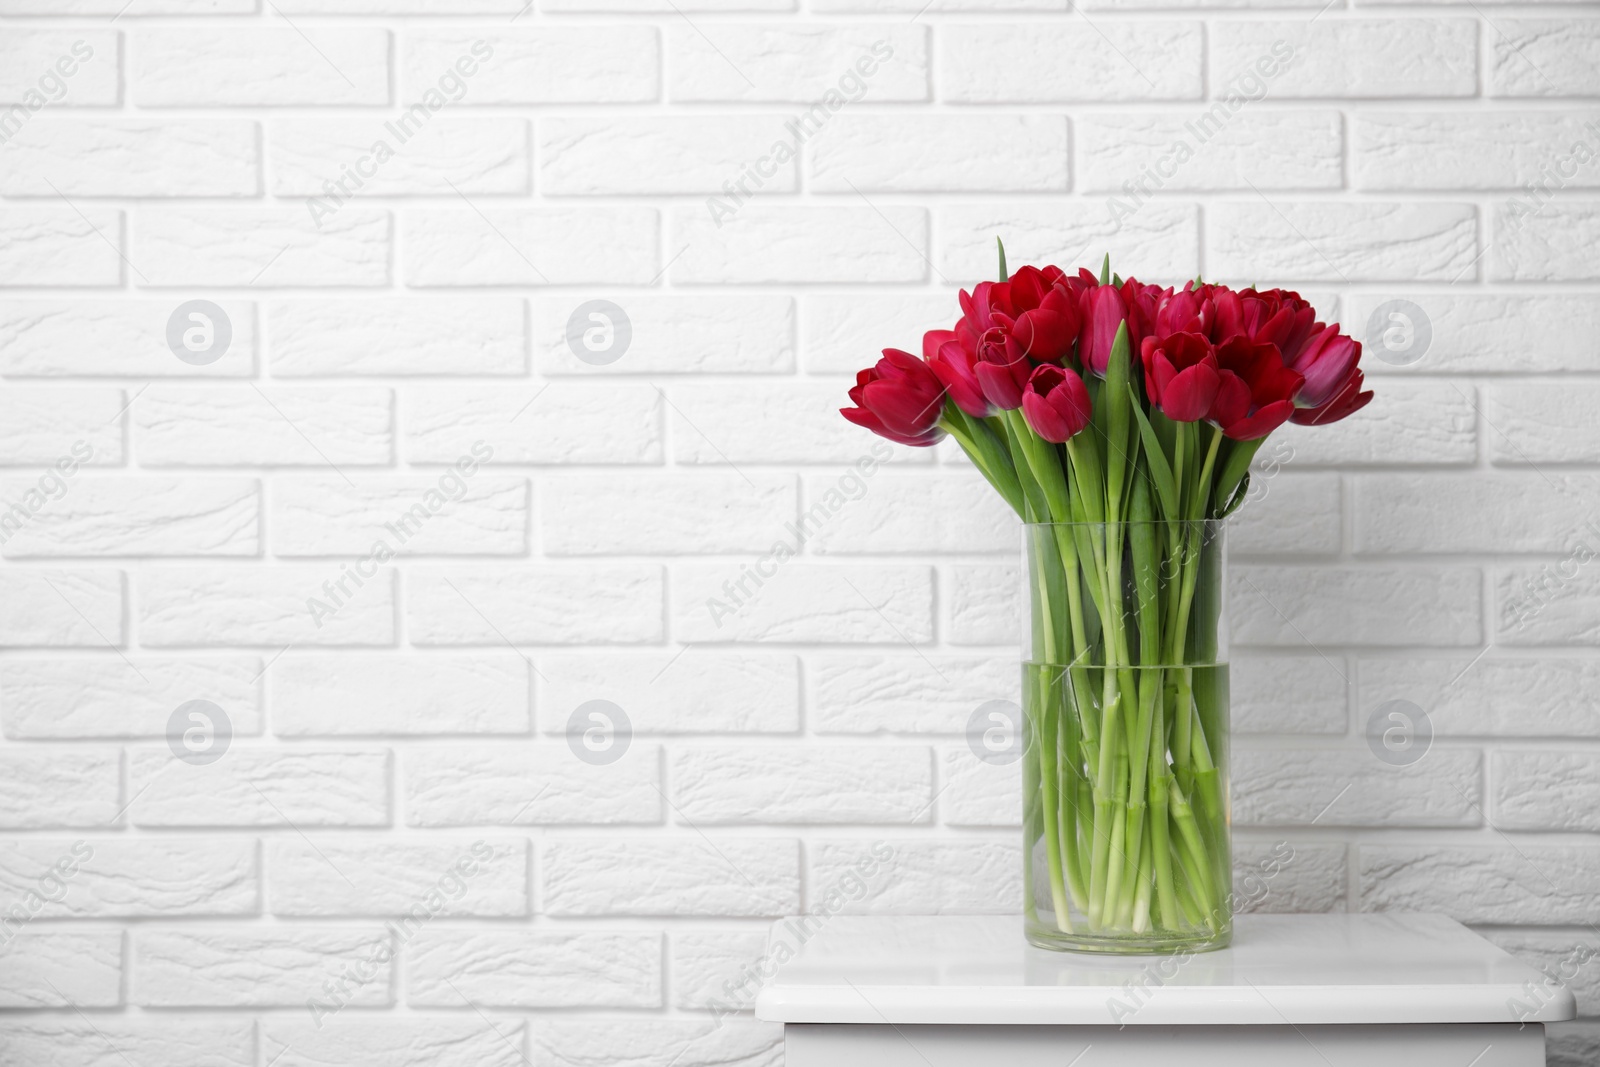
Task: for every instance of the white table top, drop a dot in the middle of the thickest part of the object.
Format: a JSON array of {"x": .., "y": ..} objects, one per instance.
[{"x": 1281, "y": 969}]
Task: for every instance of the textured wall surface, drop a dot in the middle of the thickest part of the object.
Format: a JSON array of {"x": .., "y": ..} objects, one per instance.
[{"x": 396, "y": 508}]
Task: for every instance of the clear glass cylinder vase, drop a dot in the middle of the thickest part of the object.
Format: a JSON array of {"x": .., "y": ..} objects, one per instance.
[{"x": 1126, "y": 834}]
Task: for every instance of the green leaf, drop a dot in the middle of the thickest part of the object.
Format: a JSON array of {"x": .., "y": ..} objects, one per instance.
[
  {"x": 1160, "y": 469},
  {"x": 1004, "y": 274},
  {"x": 1238, "y": 497},
  {"x": 1118, "y": 392},
  {"x": 1236, "y": 466},
  {"x": 1105, "y": 270}
]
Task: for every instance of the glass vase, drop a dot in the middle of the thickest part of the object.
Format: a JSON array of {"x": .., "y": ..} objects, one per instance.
[{"x": 1127, "y": 844}]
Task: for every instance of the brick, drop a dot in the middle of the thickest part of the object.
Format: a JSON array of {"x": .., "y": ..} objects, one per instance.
[
  {"x": 860, "y": 783},
  {"x": 976, "y": 793},
  {"x": 406, "y": 336},
  {"x": 588, "y": 64},
  {"x": 906, "y": 876},
  {"x": 534, "y": 969},
  {"x": 665, "y": 6},
  {"x": 733, "y": 423},
  {"x": 552, "y": 424},
  {"x": 328, "y": 160},
  {"x": 113, "y": 338},
  {"x": 1545, "y": 57},
  {"x": 462, "y": 512},
  {"x": 263, "y": 66},
  {"x": 665, "y": 154},
  {"x": 735, "y": 245},
  {"x": 677, "y": 334},
  {"x": 268, "y": 247},
  {"x": 109, "y": 697},
  {"x": 110, "y": 877},
  {"x": 305, "y": 426},
  {"x": 69, "y": 1042},
  {"x": 44, "y": 426},
  {"x": 1304, "y": 787},
  {"x": 936, "y": 153},
  {"x": 1571, "y": 1044},
  {"x": 994, "y": 63},
  {"x": 1552, "y": 604},
  {"x": 1405, "y": 513},
  {"x": 74, "y": 67},
  {"x": 685, "y": 876},
  {"x": 1162, "y": 239},
  {"x": 414, "y": 880},
  {"x": 135, "y": 516},
  {"x": 311, "y": 604},
  {"x": 133, "y": 157},
  {"x": 1413, "y": 605},
  {"x": 566, "y": 604},
  {"x": 53, "y": 245},
  {"x": 392, "y": 1041},
  {"x": 1473, "y": 696},
  {"x": 899, "y": 692},
  {"x": 711, "y": 968},
  {"x": 1330, "y": 242},
  {"x": 1531, "y": 424},
  {"x": 348, "y": 695},
  {"x": 404, "y": 7},
  {"x": 51, "y": 968},
  {"x": 1546, "y": 790},
  {"x": 1210, "y": 150},
  {"x": 1288, "y": 514},
  {"x": 135, "y": 10},
  {"x": 1288, "y": 694},
  {"x": 55, "y": 608},
  {"x": 660, "y": 1042},
  {"x": 985, "y": 605},
  {"x": 1411, "y": 423},
  {"x": 916, "y": 511},
  {"x": 53, "y": 787},
  {"x": 700, "y": 512},
  {"x": 261, "y": 787},
  {"x": 1458, "y": 150},
  {"x": 1548, "y": 243},
  {"x": 527, "y": 246},
  {"x": 1525, "y": 883},
  {"x": 1285, "y": 877},
  {"x": 462, "y": 785},
  {"x": 913, "y": 7},
  {"x": 825, "y": 66},
  {"x": 280, "y": 966},
  {"x": 840, "y": 334},
  {"x": 807, "y": 602},
  {"x": 692, "y": 692},
  {"x": 1367, "y": 57},
  {"x": 1494, "y": 333}
]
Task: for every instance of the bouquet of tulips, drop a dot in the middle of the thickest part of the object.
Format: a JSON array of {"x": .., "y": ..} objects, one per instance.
[{"x": 1119, "y": 420}]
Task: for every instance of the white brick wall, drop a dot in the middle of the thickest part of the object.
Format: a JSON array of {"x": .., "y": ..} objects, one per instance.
[{"x": 502, "y": 525}]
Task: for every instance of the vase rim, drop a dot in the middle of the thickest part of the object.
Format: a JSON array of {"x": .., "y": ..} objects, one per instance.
[{"x": 1138, "y": 522}]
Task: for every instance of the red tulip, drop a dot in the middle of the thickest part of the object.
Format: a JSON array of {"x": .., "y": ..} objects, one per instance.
[
  {"x": 1055, "y": 403},
  {"x": 1103, "y": 313},
  {"x": 1048, "y": 331},
  {"x": 1180, "y": 374},
  {"x": 1347, "y": 401},
  {"x": 1002, "y": 368},
  {"x": 1327, "y": 360},
  {"x": 1255, "y": 390},
  {"x": 900, "y": 399},
  {"x": 952, "y": 364}
]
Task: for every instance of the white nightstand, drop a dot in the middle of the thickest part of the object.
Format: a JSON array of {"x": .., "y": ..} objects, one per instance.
[{"x": 1379, "y": 990}]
